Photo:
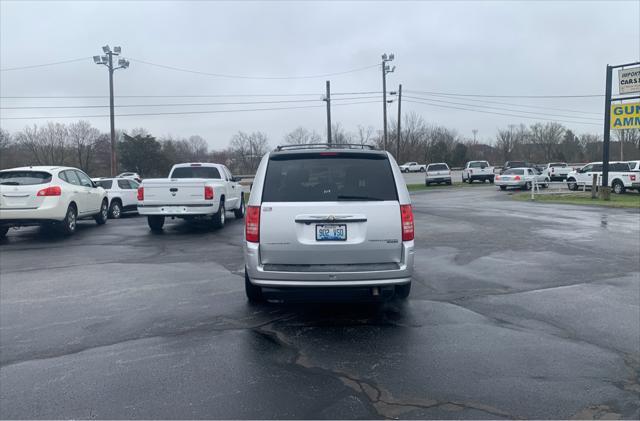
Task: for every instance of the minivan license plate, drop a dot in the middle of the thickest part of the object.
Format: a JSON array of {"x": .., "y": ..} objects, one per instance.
[{"x": 331, "y": 232}]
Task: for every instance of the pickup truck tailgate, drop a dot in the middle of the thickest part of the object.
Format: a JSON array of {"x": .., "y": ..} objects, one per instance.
[{"x": 173, "y": 191}]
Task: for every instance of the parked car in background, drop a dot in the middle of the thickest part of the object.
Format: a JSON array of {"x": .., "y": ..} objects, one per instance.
[
  {"x": 522, "y": 178},
  {"x": 514, "y": 164},
  {"x": 621, "y": 177},
  {"x": 438, "y": 173},
  {"x": 329, "y": 217},
  {"x": 193, "y": 191},
  {"x": 49, "y": 196},
  {"x": 133, "y": 175},
  {"x": 413, "y": 167},
  {"x": 122, "y": 194},
  {"x": 557, "y": 170},
  {"x": 477, "y": 170}
]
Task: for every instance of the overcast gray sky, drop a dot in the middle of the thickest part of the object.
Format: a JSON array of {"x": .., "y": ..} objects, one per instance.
[{"x": 499, "y": 48}]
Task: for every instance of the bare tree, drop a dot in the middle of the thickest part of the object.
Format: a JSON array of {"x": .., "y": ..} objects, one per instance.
[
  {"x": 83, "y": 137},
  {"x": 547, "y": 137},
  {"x": 247, "y": 150},
  {"x": 198, "y": 148},
  {"x": 302, "y": 136},
  {"x": 510, "y": 139}
]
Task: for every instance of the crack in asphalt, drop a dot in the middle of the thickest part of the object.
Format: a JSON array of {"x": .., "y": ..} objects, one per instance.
[{"x": 380, "y": 399}]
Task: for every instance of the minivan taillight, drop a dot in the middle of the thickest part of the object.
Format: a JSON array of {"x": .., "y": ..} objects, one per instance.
[
  {"x": 208, "y": 193},
  {"x": 406, "y": 214},
  {"x": 252, "y": 224},
  {"x": 50, "y": 191},
  {"x": 140, "y": 193}
]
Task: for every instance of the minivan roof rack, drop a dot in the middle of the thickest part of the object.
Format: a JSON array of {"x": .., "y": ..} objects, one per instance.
[{"x": 325, "y": 145}]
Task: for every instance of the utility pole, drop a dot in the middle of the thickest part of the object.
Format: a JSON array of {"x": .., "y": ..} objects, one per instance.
[
  {"x": 475, "y": 132},
  {"x": 107, "y": 60},
  {"x": 399, "y": 120},
  {"x": 327, "y": 98},
  {"x": 607, "y": 132},
  {"x": 385, "y": 69}
]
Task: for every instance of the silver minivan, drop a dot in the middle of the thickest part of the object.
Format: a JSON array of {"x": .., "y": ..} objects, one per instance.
[{"x": 328, "y": 216}]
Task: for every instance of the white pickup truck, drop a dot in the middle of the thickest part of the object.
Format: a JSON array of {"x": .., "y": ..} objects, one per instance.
[
  {"x": 413, "y": 167},
  {"x": 557, "y": 170},
  {"x": 477, "y": 170},
  {"x": 621, "y": 177},
  {"x": 193, "y": 191}
]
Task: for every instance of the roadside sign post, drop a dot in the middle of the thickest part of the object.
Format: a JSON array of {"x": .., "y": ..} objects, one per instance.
[{"x": 628, "y": 82}]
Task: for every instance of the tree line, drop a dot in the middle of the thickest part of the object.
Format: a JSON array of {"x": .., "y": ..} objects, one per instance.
[{"x": 80, "y": 145}]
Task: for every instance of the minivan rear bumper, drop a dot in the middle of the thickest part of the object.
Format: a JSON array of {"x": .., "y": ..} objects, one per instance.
[{"x": 259, "y": 275}]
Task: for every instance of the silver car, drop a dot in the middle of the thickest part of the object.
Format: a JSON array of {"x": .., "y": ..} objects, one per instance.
[
  {"x": 523, "y": 178},
  {"x": 328, "y": 216}
]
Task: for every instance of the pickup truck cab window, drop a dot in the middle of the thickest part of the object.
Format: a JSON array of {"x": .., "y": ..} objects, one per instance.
[{"x": 196, "y": 172}]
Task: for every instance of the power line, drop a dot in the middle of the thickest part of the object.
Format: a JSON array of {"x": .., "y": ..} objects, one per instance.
[
  {"x": 503, "y": 114},
  {"x": 508, "y": 96},
  {"x": 521, "y": 105},
  {"x": 197, "y": 72},
  {"x": 318, "y": 94},
  {"x": 503, "y": 109},
  {"x": 185, "y": 112},
  {"x": 178, "y": 105},
  {"x": 33, "y": 66}
]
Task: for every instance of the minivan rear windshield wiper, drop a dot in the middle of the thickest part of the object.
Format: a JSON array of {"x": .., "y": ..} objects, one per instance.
[{"x": 342, "y": 197}]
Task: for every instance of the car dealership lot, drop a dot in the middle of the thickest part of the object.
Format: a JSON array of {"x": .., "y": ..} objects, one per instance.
[{"x": 517, "y": 310}]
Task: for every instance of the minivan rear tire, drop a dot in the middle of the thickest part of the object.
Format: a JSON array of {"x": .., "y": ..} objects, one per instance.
[
  {"x": 254, "y": 292},
  {"x": 403, "y": 291}
]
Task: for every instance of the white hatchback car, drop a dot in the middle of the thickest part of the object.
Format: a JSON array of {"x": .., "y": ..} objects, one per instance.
[
  {"x": 56, "y": 196},
  {"x": 329, "y": 216},
  {"x": 122, "y": 194}
]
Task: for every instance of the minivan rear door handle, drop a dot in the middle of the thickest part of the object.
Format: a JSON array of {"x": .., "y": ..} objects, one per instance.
[{"x": 309, "y": 219}]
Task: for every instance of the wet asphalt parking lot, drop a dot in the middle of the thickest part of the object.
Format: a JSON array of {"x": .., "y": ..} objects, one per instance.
[{"x": 517, "y": 311}]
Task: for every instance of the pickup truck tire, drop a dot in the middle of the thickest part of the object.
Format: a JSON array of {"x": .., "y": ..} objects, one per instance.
[
  {"x": 253, "y": 292},
  {"x": 572, "y": 185},
  {"x": 115, "y": 210},
  {"x": 618, "y": 187},
  {"x": 218, "y": 218},
  {"x": 155, "y": 222},
  {"x": 403, "y": 291},
  {"x": 491, "y": 180},
  {"x": 423, "y": 169},
  {"x": 103, "y": 215},
  {"x": 239, "y": 213}
]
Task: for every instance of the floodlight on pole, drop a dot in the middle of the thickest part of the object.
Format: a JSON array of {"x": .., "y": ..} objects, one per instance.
[
  {"x": 385, "y": 69},
  {"x": 107, "y": 60}
]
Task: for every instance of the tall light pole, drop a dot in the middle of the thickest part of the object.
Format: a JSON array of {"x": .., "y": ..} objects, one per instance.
[
  {"x": 385, "y": 69},
  {"x": 327, "y": 99},
  {"x": 107, "y": 60}
]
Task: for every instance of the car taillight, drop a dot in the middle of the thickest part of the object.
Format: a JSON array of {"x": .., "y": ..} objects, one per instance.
[
  {"x": 50, "y": 191},
  {"x": 517, "y": 178},
  {"x": 497, "y": 177},
  {"x": 252, "y": 224},
  {"x": 208, "y": 193},
  {"x": 140, "y": 193},
  {"x": 632, "y": 177},
  {"x": 406, "y": 216}
]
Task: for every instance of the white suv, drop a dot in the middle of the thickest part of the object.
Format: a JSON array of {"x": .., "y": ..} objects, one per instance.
[
  {"x": 122, "y": 194},
  {"x": 328, "y": 216},
  {"x": 56, "y": 196}
]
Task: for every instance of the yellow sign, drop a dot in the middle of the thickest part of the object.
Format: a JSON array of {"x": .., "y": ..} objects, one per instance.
[{"x": 625, "y": 116}]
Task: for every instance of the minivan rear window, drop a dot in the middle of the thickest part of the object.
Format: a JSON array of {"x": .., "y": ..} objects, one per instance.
[
  {"x": 327, "y": 177},
  {"x": 196, "y": 172},
  {"x": 437, "y": 167},
  {"x": 24, "y": 178}
]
